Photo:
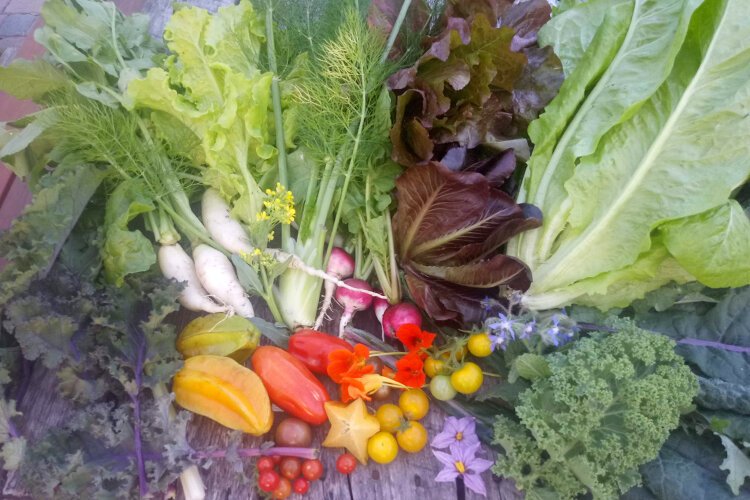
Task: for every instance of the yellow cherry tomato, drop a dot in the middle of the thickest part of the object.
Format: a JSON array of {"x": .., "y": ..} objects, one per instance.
[
  {"x": 480, "y": 345},
  {"x": 433, "y": 367},
  {"x": 460, "y": 354},
  {"x": 467, "y": 379},
  {"x": 414, "y": 403},
  {"x": 390, "y": 417},
  {"x": 382, "y": 447},
  {"x": 412, "y": 437}
]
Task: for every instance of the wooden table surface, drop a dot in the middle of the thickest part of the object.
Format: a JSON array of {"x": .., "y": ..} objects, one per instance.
[{"x": 410, "y": 477}]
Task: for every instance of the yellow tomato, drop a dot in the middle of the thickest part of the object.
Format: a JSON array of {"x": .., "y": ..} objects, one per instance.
[
  {"x": 412, "y": 438},
  {"x": 480, "y": 345},
  {"x": 414, "y": 403},
  {"x": 467, "y": 379},
  {"x": 460, "y": 354},
  {"x": 382, "y": 447},
  {"x": 433, "y": 366},
  {"x": 390, "y": 417}
]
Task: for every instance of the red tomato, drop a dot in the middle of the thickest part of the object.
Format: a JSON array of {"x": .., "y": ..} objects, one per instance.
[
  {"x": 313, "y": 347},
  {"x": 264, "y": 464},
  {"x": 283, "y": 490},
  {"x": 300, "y": 485},
  {"x": 268, "y": 480},
  {"x": 290, "y": 385},
  {"x": 290, "y": 468},
  {"x": 312, "y": 470},
  {"x": 346, "y": 463},
  {"x": 276, "y": 459}
]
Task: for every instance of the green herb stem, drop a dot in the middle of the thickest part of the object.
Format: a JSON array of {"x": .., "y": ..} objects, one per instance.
[
  {"x": 278, "y": 117},
  {"x": 395, "y": 29}
]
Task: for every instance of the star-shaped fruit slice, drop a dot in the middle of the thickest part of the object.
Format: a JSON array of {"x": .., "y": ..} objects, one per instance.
[{"x": 351, "y": 427}]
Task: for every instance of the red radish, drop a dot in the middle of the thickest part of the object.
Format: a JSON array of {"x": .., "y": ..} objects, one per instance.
[
  {"x": 352, "y": 300},
  {"x": 400, "y": 314},
  {"x": 340, "y": 265},
  {"x": 380, "y": 305}
]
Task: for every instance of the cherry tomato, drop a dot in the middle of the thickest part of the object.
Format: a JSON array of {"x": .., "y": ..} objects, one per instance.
[
  {"x": 264, "y": 464},
  {"x": 390, "y": 417},
  {"x": 376, "y": 363},
  {"x": 268, "y": 480},
  {"x": 441, "y": 388},
  {"x": 293, "y": 432},
  {"x": 300, "y": 485},
  {"x": 480, "y": 345},
  {"x": 414, "y": 403},
  {"x": 276, "y": 459},
  {"x": 382, "y": 393},
  {"x": 433, "y": 366},
  {"x": 312, "y": 470},
  {"x": 290, "y": 468},
  {"x": 412, "y": 438},
  {"x": 467, "y": 379},
  {"x": 283, "y": 490},
  {"x": 382, "y": 447},
  {"x": 346, "y": 463}
]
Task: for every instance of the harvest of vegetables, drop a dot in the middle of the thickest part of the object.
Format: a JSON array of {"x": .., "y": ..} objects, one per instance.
[{"x": 324, "y": 226}]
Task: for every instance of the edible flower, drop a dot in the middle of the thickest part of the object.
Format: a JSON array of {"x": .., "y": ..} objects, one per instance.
[
  {"x": 409, "y": 370},
  {"x": 462, "y": 461},
  {"x": 361, "y": 388},
  {"x": 456, "y": 432},
  {"x": 414, "y": 338},
  {"x": 344, "y": 364}
]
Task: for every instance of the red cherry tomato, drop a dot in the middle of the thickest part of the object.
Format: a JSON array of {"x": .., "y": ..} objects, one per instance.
[
  {"x": 312, "y": 470},
  {"x": 346, "y": 463},
  {"x": 276, "y": 459},
  {"x": 300, "y": 485},
  {"x": 264, "y": 464},
  {"x": 283, "y": 490},
  {"x": 290, "y": 468},
  {"x": 268, "y": 480}
]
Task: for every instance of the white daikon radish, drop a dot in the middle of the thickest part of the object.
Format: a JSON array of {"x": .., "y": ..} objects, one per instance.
[
  {"x": 217, "y": 275},
  {"x": 176, "y": 264},
  {"x": 222, "y": 227}
]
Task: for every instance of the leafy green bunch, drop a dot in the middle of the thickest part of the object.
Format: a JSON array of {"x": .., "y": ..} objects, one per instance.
[{"x": 600, "y": 410}]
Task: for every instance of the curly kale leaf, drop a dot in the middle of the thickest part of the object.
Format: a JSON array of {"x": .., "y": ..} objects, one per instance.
[{"x": 607, "y": 407}]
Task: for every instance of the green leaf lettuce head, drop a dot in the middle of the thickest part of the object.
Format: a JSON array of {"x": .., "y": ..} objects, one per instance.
[
  {"x": 607, "y": 407},
  {"x": 636, "y": 162}
]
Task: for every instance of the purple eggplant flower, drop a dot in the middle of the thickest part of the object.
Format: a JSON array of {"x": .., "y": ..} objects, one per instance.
[
  {"x": 456, "y": 432},
  {"x": 463, "y": 461}
]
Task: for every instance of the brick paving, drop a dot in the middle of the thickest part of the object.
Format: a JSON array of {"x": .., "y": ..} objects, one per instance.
[{"x": 17, "y": 19}]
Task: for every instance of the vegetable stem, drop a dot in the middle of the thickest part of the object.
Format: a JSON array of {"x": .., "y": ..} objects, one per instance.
[
  {"x": 278, "y": 116},
  {"x": 395, "y": 29}
]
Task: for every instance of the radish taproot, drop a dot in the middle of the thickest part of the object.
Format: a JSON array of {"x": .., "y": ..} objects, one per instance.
[
  {"x": 340, "y": 265},
  {"x": 356, "y": 297},
  {"x": 217, "y": 275},
  {"x": 223, "y": 228},
  {"x": 400, "y": 314},
  {"x": 176, "y": 264},
  {"x": 379, "y": 306}
]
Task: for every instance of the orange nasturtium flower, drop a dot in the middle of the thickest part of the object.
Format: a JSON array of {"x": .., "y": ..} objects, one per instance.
[
  {"x": 414, "y": 338},
  {"x": 343, "y": 364},
  {"x": 410, "y": 370}
]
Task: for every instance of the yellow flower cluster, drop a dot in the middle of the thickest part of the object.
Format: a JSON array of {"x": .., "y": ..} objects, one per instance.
[
  {"x": 258, "y": 258},
  {"x": 279, "y": 206}
]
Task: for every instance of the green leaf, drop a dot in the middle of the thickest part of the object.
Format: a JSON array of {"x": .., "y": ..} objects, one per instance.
[
  {"x": 628, "y": 163},
  {"x": 26, "y": 79},
  {"x": 737, "y": 463},
  {"x": 19, "y": 141},
  {"x": 125, "y": 251},
  {"x": 688, "y": 467},
  {"x": 713, "y": 246},
  {"x": 248, "y": 276},
  {"x": 13, "y": 453},
  {"x": 532, "y": 366},
  {"x": 36, "y": 237}
]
